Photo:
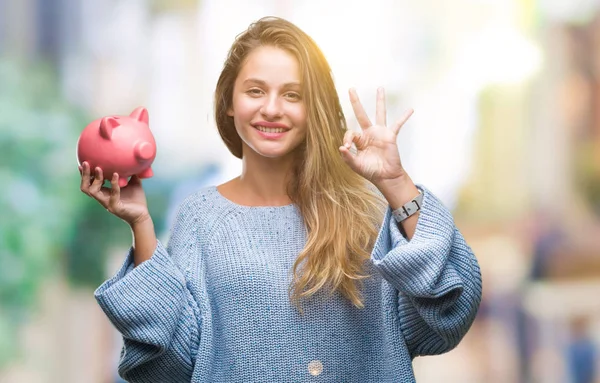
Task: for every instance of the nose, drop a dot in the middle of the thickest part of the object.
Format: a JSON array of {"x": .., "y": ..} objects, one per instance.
[{"x": 271, "y": 107}]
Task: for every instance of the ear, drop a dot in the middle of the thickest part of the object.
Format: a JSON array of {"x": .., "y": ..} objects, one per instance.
[
  {"x": 141, "y": 114},
  {"x": 107, "y": 125},
  {"x": 230, "y": 112}
]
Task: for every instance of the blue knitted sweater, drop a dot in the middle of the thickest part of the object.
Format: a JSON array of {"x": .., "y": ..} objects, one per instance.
[{"x": 213, "y": 305}]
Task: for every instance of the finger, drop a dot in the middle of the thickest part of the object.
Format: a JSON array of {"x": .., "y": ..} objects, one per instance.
[
  {"x": 85, "y": 178},
  {"x": 359, "y": 111},
  {"x": 396, "y": 127},
  {"x": 95, "y": 188},
  {"x": 115, "y": 193},
  {"x": 350, "y": 137},
  {"x": 380, "y": 113},
  {"x": 348, "y": 157}
]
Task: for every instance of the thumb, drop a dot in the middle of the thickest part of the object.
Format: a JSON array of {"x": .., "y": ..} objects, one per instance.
[{"x": 348, "y": 157}]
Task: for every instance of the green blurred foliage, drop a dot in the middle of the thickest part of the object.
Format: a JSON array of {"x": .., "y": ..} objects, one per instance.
[
  {"x": 38, "y": 134},
  {"x": 40, "y": 198},
  {"x": 48, "y": 228}
]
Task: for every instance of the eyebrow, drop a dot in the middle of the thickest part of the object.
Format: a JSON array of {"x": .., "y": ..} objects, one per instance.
[{"x": 263, "y": 83}]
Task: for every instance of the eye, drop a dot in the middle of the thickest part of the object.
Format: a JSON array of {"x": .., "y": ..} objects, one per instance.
[
  {"x": 254, "y": 92},
  {"x": 293, "y": 96}
]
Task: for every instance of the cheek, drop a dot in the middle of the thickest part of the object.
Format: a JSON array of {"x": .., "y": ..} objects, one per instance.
[
  {"x": 242, "y": 111},
  {"x": 298, "y": 114}
]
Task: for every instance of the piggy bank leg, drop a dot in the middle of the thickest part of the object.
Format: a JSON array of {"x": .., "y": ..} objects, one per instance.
[
  {"x": 147, "y": 173},
  {"x": 123, "y": 182}
]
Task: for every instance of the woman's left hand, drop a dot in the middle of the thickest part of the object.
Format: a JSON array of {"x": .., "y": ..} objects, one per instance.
[{"x": 377, "y": 157}]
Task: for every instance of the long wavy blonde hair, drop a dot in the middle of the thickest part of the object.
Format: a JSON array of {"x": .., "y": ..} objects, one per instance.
[{"x": 341, "y": 211}]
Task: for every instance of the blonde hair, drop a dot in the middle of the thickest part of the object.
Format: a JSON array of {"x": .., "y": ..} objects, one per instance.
[{"x": 341, "y": 212}]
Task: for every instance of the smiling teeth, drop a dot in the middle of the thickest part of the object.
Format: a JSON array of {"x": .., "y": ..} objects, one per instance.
[{"x": 270, "y": 130}]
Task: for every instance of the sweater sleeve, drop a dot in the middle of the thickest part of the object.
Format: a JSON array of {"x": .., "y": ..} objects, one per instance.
[
  {"x": 436, "y": 275},
  {"x": 154, "y": 310}
]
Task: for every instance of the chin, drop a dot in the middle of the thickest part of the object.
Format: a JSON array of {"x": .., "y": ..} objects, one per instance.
[{"x": 273, "y": 152}]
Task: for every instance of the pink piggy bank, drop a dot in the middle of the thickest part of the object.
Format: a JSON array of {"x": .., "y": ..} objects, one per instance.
[{"x": 119, "y": 144}]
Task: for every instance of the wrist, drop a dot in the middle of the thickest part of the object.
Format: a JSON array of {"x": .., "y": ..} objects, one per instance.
[
  {"x": 142, "y": 223},
  {"x": 398, "y": 191},
  {"x": 144, "y": 240}
]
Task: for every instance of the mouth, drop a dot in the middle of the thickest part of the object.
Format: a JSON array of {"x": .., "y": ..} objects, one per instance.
[
  {"x": 264, "y": 129},
  {"x": 270, "y": 127}
]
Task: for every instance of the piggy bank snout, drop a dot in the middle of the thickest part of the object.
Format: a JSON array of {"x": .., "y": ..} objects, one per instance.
[{"x": 144, "y": 151}]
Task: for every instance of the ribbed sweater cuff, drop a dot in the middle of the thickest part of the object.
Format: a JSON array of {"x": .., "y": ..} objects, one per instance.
[
  {"x": 144, "y": 303},
  {"x": 418, "y": 268}
]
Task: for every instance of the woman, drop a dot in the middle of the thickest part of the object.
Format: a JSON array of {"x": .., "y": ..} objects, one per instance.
[{"x": 320, "y": 262}]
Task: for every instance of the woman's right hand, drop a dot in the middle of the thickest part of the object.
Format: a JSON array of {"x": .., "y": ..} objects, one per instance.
[{"x": 128, "y": 203}]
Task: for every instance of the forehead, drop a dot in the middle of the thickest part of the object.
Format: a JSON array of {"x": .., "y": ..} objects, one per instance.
[{"x": 271, "y": 65}]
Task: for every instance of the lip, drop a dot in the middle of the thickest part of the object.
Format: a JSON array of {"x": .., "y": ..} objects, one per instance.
[
  {"x": 271, "y": 136},
  {"x": 268, "y": 124}
]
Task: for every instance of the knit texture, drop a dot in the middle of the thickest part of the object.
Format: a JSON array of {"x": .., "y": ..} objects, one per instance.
[{"x": 213, "y": 305}]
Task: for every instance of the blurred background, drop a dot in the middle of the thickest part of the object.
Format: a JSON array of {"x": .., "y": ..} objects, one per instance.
[{"x": 506, "y": 132}]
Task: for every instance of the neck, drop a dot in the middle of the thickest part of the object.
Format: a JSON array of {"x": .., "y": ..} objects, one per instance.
[{"x": 264, "y": 181}]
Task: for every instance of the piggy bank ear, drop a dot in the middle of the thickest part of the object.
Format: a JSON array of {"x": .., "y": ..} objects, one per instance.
[
  {"x": 107, "y": 125},
  {"x": 141, "y": 114}
]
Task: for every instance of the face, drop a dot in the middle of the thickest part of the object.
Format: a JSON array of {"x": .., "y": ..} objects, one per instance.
[{"x": 268, "y": 109}]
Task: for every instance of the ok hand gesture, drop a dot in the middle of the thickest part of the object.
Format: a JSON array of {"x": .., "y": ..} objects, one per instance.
[{"x": 377, "y": 158}]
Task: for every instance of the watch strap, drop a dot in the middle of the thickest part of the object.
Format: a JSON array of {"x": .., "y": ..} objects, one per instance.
[{"x": 409, "y": 208}]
